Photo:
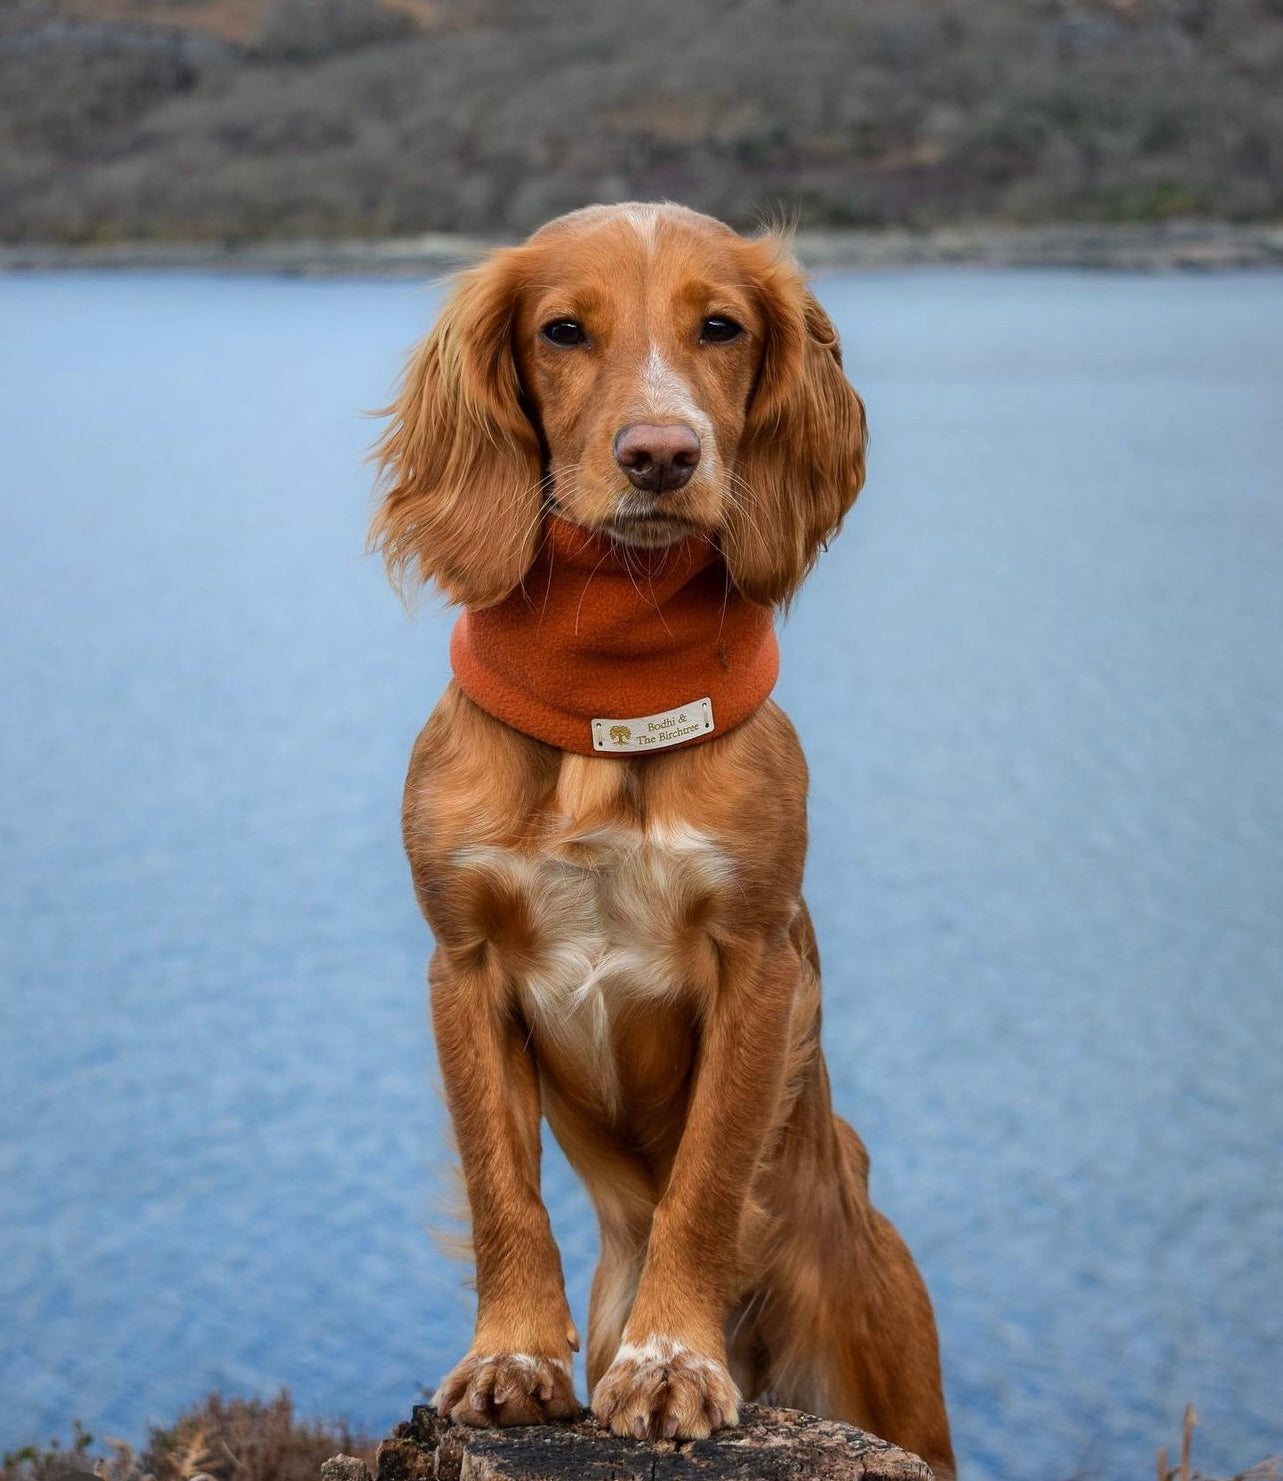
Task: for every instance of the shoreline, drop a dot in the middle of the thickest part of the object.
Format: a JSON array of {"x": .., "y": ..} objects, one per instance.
[{"x": 1129, "y": 247}]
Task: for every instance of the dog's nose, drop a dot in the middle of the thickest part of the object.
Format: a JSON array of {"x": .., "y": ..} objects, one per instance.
[{"x": 658, "y": 456}]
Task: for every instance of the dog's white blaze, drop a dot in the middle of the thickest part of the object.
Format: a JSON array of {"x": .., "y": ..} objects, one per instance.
[
  {"x": 608, "y": 911},
  {"x": 643, "y": 219},
  {"x": 666, "y": 393}
]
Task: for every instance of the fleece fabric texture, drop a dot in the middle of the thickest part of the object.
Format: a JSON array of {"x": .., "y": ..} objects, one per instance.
[{"x": 602, "y": 631}]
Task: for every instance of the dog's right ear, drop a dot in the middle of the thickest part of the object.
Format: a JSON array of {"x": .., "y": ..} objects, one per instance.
[{"x": 460, "y": 464}]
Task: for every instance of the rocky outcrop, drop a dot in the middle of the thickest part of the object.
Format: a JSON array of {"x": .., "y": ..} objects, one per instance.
[{"x": 768, "y": 1445}]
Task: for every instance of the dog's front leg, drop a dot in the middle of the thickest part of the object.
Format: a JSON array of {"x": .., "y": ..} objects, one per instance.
[
  {"x": 518, "y": 1369},
  {"x": 669, "y": 1378}
]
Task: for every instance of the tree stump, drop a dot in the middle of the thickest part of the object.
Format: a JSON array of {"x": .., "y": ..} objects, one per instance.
[{"x": 768, "y": 1445}]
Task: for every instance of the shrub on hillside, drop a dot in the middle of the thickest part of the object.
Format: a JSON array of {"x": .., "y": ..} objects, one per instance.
[{"x": 302, "y": 30}]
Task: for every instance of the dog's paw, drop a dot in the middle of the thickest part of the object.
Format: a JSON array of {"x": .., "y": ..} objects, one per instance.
[
  {"x": 507, "y": 1388},
  {"x": 662, "y": 1390}
]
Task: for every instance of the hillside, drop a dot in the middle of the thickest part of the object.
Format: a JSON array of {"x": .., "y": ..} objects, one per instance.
[{"x": 230, "y": 120}]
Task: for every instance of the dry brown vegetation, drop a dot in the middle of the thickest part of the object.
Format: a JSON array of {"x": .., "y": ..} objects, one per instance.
[
  {"x": 241, "y": 119},
  {"x": 223, "y": 1439},
  {"x": 1265, "y": 1470}
]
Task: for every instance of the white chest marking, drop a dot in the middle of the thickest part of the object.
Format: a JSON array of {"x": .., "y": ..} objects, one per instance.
[{"x": 610, "y": 917}]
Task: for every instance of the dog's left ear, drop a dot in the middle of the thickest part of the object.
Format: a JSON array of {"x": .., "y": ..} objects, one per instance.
[
  {"x": 461, "y": 461},
  {"x": 801, "y": 460}
]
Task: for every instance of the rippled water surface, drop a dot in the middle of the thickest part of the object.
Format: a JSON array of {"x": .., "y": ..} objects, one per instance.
[{"x": 1040, "y": 683}]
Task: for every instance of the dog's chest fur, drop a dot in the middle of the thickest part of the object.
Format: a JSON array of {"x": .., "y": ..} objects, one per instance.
[{"x": 613, "y": 920}]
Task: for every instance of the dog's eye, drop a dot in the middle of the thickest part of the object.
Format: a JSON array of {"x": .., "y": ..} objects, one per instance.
[
  {"x": 719, "y": 330},
  {"x": 565, "y": 332}
]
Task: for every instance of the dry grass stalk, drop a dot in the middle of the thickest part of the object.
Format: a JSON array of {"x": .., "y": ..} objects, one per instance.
[{"x": 1270, "y": 1469}]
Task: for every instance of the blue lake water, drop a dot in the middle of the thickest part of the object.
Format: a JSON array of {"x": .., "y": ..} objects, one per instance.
[{"x": 1040, "y": 683}]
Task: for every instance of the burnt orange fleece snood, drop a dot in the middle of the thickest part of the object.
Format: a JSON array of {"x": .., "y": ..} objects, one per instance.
[{"x": 606, "y": 648}]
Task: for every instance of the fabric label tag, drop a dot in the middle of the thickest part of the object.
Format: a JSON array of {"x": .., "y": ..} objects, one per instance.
[{"x": 654, "y": 732}]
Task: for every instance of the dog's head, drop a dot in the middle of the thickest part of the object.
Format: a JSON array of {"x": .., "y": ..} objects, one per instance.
[{"x": 640, "y": 369}]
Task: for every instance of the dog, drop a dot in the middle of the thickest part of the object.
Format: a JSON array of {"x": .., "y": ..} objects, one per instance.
[{"x": 620, "y": 450}]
